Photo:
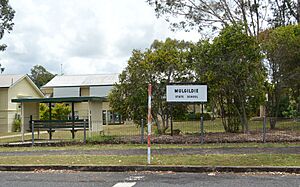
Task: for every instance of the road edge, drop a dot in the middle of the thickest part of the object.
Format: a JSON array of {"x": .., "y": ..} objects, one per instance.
[{"x": 189, "y": 169}]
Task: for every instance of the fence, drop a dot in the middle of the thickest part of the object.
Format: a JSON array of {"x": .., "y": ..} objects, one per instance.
[
  {"x": 213, "y": 132},
  {"x": 286, "y": 130}
]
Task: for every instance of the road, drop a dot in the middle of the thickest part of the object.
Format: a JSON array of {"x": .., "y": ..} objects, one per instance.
[{"x": 145, "y": 179}]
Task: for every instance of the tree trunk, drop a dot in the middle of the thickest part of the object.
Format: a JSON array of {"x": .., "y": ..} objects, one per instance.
[
  {"x": 273, "y": 121},
  {"x": 245, "y": 119}
]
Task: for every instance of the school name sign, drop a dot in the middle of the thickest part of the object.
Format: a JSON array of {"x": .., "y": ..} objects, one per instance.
[{"x": 187, "y": 93}]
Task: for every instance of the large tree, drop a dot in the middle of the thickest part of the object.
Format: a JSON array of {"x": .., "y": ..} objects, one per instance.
[
  {"x": 231, "y": 65},
  {"x": 6, "y": 16},
  {"x": 163, "y": 63},
  {"x": 285, "y": 12},
  {"x": 40, "y": 76},
  {"x": 281, "y": 46},
  {"x": 215, "y": 14}
]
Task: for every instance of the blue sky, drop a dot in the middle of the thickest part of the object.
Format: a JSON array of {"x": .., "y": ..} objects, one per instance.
[{"x": 86, "y": 37}]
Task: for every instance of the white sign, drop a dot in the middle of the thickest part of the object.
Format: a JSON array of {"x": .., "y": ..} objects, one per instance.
[{"x": 187, "y": 93}]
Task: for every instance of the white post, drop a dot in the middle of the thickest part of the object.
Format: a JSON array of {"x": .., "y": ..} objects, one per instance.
[
  {"x": 149, "y": 123},
  {"x": 22, "y": 120}
]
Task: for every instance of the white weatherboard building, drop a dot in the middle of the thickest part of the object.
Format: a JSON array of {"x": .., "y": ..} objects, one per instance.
[
  {"x": 15, "y": 87},
  {"x": 96, "y": 85}
]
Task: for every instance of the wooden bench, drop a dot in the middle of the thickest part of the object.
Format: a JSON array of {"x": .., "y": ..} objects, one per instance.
[{"x": 52, "y": 125}]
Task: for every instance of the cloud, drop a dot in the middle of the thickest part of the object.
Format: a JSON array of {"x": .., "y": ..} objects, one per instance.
[{"x": 85, "y": 36}]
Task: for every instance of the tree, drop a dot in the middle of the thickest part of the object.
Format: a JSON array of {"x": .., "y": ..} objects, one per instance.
[
  {"x": 216, "y": 14},
  {"x": 40, "y": 76},
  {"x": 1, "y": 69},
  {"x": 58, "y": 112},
  {"x": 161, "y": 64},
  {"x": 231, "y": 65},
  {"x": 285, "y": 12},
  {"x": 281, "y": 46},
  {"x": 6, "y": 16}
]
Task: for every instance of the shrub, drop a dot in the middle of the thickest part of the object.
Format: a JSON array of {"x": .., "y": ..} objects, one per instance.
[
  {"x": 197, "y": 116},
  {"x": 16, "y": 125}
]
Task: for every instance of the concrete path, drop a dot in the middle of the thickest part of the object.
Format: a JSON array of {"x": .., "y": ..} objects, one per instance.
[{"x": 20, "y": 135}]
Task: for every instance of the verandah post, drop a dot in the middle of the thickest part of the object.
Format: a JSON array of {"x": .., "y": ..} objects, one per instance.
[{"x": 32, "y": 130}]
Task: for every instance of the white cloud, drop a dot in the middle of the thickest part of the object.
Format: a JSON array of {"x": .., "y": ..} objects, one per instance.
[{"x": 85, "y": 36}]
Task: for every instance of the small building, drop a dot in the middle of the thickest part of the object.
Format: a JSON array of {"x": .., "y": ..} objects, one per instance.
[
  {"x": 93, "y": 85},
  {"x": 14, "y": 87}
]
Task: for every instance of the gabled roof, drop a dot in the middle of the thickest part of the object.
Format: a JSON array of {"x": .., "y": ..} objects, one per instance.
[
  {"x": 7, "y": 81},
  {"x": 82, "y": 80}
]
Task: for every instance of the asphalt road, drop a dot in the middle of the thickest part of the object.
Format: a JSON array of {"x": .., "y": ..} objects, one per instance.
[{"x": 145, "y": 179}]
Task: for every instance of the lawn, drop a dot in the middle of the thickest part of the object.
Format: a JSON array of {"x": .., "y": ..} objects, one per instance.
[
  {"x": 144, "y": 146},
  {"x": 165, "y": 160}
]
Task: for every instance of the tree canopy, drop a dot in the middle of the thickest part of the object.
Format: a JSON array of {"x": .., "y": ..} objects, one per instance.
[
  {"x": 216, "y": 14},
  {"x": 40, "y": 76},
  {"x": 281, "y": 46},
  {"x": 231, "y": 65},
  {"x": 164, "y": 62},
  {"x": 7, "y": 14}
]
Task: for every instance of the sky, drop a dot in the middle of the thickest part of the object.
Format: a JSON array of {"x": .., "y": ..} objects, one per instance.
[{"x": 81, "y": 37}]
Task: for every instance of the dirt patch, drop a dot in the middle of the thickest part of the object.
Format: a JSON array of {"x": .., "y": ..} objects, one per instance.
[{"x": 282, "y": 136}]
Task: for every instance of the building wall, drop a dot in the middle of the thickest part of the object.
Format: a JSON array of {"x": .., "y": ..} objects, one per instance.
[
  {"x": 105, "y": 106},
  {"x": 81, "y": 109},
  {"x": 30, "y": 109},
  {"x": 85, "y": 91},
  {"x": 48, "y": 92},
  {"x": 3, "y": 98},
  {"x": 3, "y": 109},
  {"x": 21, "y": 89}
]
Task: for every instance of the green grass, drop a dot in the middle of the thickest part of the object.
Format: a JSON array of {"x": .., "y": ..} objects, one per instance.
[
  {"x": 144, "y": 146},
  {"x": 170, "y": 160}
]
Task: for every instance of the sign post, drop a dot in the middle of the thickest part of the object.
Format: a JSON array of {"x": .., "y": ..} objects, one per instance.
[
  {"x": 149, "y": 123},
  {"x": 187, "y": 93},
  {"x": 179, "y": 93}
]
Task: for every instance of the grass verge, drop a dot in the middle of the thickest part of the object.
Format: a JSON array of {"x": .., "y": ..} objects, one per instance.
[
  {"x": 144, "y": 146},
  {"x": 170, "y": 160}
]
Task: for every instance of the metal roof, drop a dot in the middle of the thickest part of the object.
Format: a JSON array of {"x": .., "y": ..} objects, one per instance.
[
  {"x": 58, "y": 100},
  {"x": 83, "y": 80},
  {"x": 7, "y": 81}
]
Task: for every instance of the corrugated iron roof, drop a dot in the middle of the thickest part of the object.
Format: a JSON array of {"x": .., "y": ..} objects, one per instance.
[
  {"x": 7, "y": 81},
  {"x": 83, "y": 80}
]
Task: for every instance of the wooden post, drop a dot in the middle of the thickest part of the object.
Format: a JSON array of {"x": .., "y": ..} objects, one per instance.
[
  {"x": 32, "y": 130},
  {"x": 84, "y": 131},
  {"x": 201, "y": 125},
  {"x": 73, "y": 118},
  {"x": 50, "y": 111}
]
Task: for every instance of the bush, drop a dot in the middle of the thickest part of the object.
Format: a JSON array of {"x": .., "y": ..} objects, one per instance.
[
  {"x": 16, "y": 125},
  {"x": 197, "y": 116},
  {"x": 100, "y": 139}
]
